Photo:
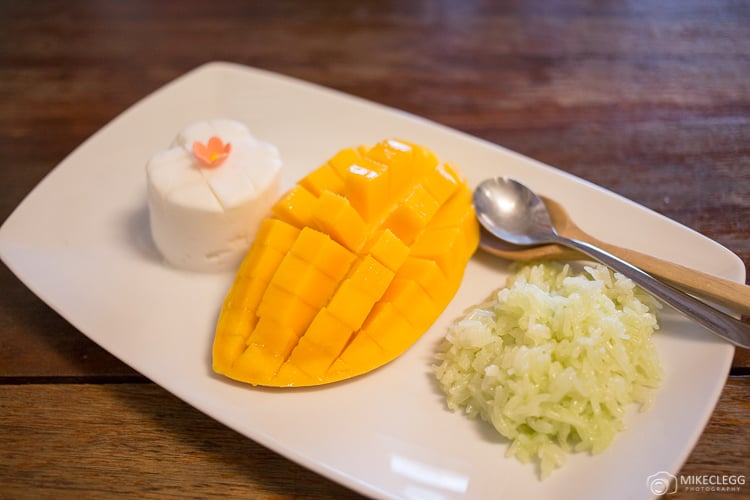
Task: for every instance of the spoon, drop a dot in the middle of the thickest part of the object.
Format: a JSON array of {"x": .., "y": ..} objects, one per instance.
[
  {"x": 730, "y": 294},
  {"x": 512, "y": 212}
]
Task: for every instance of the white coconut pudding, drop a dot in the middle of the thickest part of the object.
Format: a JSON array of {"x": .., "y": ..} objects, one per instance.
[{"x": 209, "y": 192}]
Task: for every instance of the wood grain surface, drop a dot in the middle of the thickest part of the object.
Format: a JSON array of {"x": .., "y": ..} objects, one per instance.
[{"x": 647, "y": 98}]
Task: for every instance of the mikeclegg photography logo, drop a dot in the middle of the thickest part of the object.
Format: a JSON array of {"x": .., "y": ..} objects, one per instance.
[{"x": 664, "y": 483}]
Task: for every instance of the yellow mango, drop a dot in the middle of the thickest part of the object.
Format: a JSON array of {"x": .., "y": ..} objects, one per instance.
[
  {"x": 296, "y": 207},
  {"x": 277, "y": 234},
  {"x": 297, "y": 277},
  {"x": 360, "y": 351},
  {"x": 334, "y": 215},
  {"x": 386, "y": 248},
  {"x": 398, "y": 154},
  {"x": 260, "y": 262},
  {"x": 323, "y": 253},
  {"x": 371, "y": 277},
  {"x": 246, "y": 293},
  {"x": 412, "y": 214},
  {"x": 355, "y": 263},
  {"x": 257, "y": 363},
  {"x": 441, "y": 182},
  {"x": 289, "y": 376},
  {"x": 328, "y": 331},
  {"x": 429, "y": 276},
  {"x": 389, "y": 329},
  {"x": 321, "y": 344},
  {"x": 297, "y": 314},
  {"x": 350, "y": 304},
  {"x": 324, "y": 178},
  {"x": 367, "y": 188},
  {"x": 228, "y": 348},
  {"x": 412, "y": 302},
  {"x": 342, "y": 160},
  {"x": 311, "y": 358}
]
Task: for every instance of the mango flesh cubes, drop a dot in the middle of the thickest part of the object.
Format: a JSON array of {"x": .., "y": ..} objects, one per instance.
[{"x": 354, "y": 265}]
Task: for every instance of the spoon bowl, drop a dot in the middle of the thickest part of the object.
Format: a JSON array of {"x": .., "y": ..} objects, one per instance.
[{"x": 512, "y": 212}]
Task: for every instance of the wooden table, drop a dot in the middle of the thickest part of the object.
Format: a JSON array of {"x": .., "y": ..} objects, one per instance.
[{"x": 648, "y": 98}]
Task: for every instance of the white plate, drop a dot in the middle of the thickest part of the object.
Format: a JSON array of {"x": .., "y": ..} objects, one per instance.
[{"x": 81, "y": 242}]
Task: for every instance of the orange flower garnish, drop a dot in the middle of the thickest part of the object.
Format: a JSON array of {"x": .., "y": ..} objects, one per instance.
[{"x": 213, "y": 154}]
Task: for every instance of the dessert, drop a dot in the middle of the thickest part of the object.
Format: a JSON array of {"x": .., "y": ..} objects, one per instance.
[
  {"x": 357, "y": 261},
  {"x": 208, "y": 193}
]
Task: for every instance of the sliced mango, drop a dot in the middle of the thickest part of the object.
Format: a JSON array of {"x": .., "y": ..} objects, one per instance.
[{"x": 357, "y": 261}]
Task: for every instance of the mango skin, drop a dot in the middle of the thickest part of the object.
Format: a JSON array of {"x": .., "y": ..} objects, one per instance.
[{"x": 355, "y": 263}]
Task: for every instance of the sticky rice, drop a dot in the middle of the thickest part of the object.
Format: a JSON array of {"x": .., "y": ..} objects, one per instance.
[{"x": 553, "y": 359}]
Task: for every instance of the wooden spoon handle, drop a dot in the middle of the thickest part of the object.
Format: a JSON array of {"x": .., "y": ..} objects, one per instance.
[
  {"x": 730, "y": 294},
  {"x": 719, "y": 291}
]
